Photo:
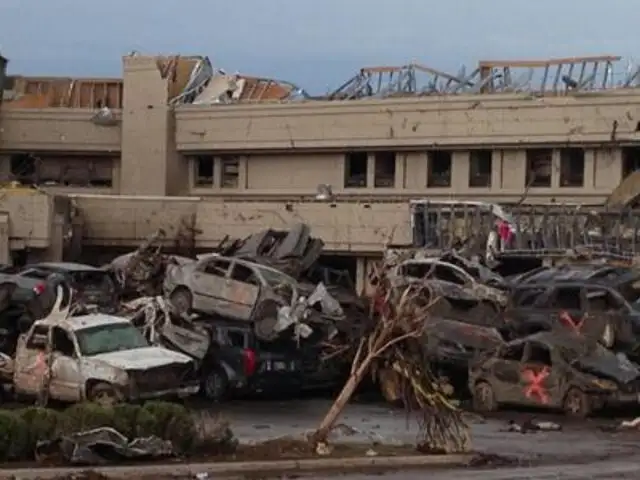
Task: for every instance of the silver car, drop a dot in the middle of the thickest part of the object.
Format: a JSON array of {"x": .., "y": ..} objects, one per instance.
[{"x": 229, "y": 287}]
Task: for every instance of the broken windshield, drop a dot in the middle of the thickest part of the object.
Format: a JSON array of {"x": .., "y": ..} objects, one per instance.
[{"x": 114, "y": 337}]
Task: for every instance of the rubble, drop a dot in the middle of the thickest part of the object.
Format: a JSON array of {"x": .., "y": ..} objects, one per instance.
[{"x": 104, "y": 445}]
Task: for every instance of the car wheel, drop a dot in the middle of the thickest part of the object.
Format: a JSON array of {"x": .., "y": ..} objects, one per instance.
[
  {"x": 103, "y": 394},
  {"x": 215, "y": 385},
  {"x": 577, "y": 403},
  {"x": 182, "y": 300},
  {"x": 484, "y": 399}
]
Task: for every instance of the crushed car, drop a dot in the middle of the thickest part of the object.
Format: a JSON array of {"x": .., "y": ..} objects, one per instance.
[
  {"x": 95, "y": 357},
  {"x": 464, "y": 296},
  {"x": 595, "y": 310},
  {"x": 553, "y": 370}
]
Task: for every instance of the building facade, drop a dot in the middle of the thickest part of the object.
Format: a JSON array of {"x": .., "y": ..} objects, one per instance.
[{"x": 151, "y": 150}]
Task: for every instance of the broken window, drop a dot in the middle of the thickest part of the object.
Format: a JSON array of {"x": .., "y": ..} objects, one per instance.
[
  {"x": 230, "y": 172},
  {"x": 237, "y": 338},
  {"x": 385, "y": 170},
  {"x": 61, "y": 342},
  {"x": 480, "y": 167},
  {"x": 38, "y": 338},
  {"x": 23, "y": 168},
  {"x": 355, "y": 170},
  {"x": 539, "y": 355},
  {"x": 630, "y": 160},
  {"x": 572, "y": 167},
  {"x": 203, "y": 166},
  {"x": 218, "y": 267},
  {"x": 71, "y": 171},
  {"x": 439, "y": 168},
  {"x": 567, "y": 298},
  {"x": 512, "y": 353},
  {"x": 244, "y": 274},
  {"x": 539, "y": 167}
]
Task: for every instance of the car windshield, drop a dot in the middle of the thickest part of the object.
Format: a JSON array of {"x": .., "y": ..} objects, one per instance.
[
  {"x": 275, "y": 278},
  {"x": 111, "y": 337}
]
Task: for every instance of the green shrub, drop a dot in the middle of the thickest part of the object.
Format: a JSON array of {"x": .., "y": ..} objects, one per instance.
[
  {"x": 14, "y": 436},
  {"x": 134, "y": 421},
  {"x": 86, "y": 416},
  {"x": 42, "y": 424},
  {"x": 173, "y": 422}
]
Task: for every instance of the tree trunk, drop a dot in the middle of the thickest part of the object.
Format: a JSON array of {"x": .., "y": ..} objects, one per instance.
[{"x": 329, "y": 420}]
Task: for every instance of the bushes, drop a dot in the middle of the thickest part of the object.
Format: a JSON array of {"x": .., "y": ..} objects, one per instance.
[{"x": 21, "y": 430}]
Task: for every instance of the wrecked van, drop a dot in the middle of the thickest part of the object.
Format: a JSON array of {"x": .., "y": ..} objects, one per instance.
[
  {"x": 553, "y": 370},
  {"x": 99, "y": 358}
]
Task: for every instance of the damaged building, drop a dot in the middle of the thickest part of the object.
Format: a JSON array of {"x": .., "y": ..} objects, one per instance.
[{"x": 180, "y": 145}]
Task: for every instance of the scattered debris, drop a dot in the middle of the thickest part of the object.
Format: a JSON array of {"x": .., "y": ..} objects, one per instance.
[{"x": 104, "y": 445}]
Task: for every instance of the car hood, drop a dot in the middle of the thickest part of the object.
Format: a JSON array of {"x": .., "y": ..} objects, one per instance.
[
  {"x": 141, "y": 358},
  {"x": 613, "y": 368}
]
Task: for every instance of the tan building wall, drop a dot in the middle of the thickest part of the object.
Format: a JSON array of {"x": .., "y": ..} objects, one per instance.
[{"x": 281, "y": 152}]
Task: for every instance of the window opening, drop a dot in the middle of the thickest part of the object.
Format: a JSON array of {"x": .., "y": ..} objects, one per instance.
[
  {"x": 630, "y": 160},
  {"x": 567, "y": 298},
  {"x": 539, "y": 167},
  {"x": 61, "y": 342},
  {"x": 572, "y": 167},
  {"x": 355, "y": 171},
  {"x": 217, "y": 267},
  {"x": 203, "y": 165},
  {"x": 539, "y": 355},
  {"x": 244, "y": 274},
  {"x": 513, "y": 352},
  {"x": 480, "y": 168},
  {"x": 230, "y": 173},
  {"x": 385, "y": 169},
  {"x": 439, "y": 169}
]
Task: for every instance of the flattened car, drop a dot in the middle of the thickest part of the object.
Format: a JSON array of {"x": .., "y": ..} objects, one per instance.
[{"x": 555, "y": 371}]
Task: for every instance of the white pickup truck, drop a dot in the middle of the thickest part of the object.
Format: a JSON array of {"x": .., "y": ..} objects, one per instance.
[{"x": 95, "y": 357}]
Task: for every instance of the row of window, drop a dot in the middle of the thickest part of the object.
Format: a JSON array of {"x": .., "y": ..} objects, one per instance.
[
  {"x": 538, "y": 173},
  {"x": 70, "y": 171},
  {"x": 205, "y": 171}
]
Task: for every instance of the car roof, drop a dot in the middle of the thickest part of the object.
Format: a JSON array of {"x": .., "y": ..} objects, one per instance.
[
  {"x": 66, "y": 266},
  {"x": 82, "y": 322},
  {"x": 578, "y": 272}
]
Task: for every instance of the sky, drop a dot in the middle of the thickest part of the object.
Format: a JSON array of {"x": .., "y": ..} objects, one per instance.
[{"x": 316, "y": 44}]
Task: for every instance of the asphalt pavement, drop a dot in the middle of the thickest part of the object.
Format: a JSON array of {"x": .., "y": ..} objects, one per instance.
[{"x": 579, "y": 441}]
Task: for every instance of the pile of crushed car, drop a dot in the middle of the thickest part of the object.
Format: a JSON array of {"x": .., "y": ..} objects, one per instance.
[{"x": 254, "y": 316}]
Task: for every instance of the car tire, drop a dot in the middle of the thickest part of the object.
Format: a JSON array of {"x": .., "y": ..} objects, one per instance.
[
  {"x": 182, "y": 300},
  {"x": 484, "y": 399},
  {"x": 576, "y": 403},
  {"x": 103, "y": 394},
  {"x": 215, "y": 385}
]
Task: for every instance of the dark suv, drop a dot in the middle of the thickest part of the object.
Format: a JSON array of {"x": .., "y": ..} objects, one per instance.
[
  {"x": 239, "y": 363},
  {"x": 595, "y": 309}
]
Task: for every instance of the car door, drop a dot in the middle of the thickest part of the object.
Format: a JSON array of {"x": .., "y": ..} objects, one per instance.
[
  {"x": 506, "y": 373},
  {"x": 66, "y": 377},
  {"x": 607, "y": 317},
  {"x": 540, "y": 381},
  {"x": 30, "y": 364},
  {"x": 242, "y": 290},
  {"x": 208, "y": 284}
]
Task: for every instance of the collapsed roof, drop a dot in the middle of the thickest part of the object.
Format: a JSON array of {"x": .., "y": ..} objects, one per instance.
[{"x": 197, "y": 82}]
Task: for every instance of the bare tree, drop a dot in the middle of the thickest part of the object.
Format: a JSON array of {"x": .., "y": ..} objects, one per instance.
[{"x": 390, "y": 347}]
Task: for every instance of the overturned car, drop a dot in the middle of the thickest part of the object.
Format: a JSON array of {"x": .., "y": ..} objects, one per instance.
[{"x": 553, "y": 370}]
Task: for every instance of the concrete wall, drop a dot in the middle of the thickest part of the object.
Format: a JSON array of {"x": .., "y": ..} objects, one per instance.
[
  {"x": 451, "y": 121},
  {"x": 55, "y": 129}
]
